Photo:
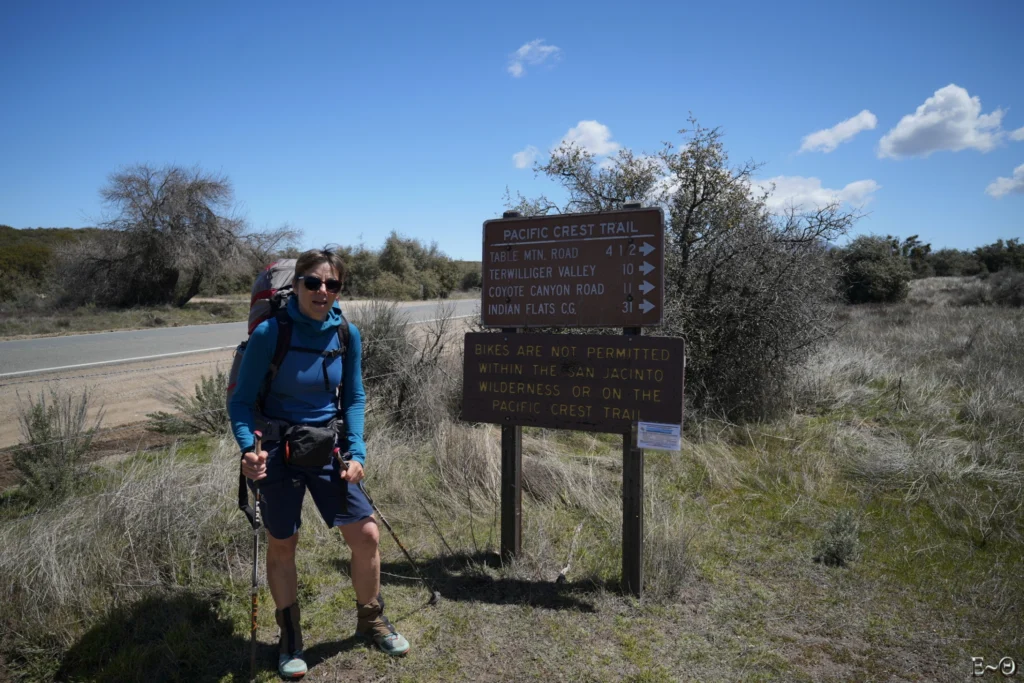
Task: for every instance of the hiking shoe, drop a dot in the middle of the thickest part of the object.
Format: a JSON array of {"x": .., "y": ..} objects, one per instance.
[
  {"x": 290, "y": 663},
  {"x": 373, "y": 625}
]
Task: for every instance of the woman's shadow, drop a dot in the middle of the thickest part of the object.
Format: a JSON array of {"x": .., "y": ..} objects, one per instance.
[{"x": 176, "y": 637}]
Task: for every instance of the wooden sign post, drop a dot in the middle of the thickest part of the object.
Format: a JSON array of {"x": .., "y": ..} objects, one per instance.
[{"x": 574, "y": 270}]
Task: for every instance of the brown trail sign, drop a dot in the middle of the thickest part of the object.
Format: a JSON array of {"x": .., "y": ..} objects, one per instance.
[
  {"x": 597, "y": 383},
  {"x": 574, "y": 270}
]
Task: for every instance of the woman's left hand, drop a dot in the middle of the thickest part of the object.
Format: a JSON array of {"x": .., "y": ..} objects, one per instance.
[{"x": 353, "y": 473}]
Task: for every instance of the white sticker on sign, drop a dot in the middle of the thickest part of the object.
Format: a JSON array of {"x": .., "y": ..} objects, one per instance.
[{"x": 661, "y": 437}]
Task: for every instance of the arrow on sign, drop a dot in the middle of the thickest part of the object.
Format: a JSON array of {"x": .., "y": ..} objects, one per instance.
[
  {"x": 646, "y": 268},
  {"x": 646, "y": 249},
  {"x": 646, "y": 287},
  {"x": 647, "y": 306}
]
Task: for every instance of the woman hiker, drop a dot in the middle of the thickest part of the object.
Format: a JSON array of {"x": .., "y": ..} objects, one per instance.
[{"x": 297, "y": 416}]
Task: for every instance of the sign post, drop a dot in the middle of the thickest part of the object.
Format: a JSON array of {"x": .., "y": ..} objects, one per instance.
[
  {"x": 633, "y": 505},
  {"x": 575, "y": 270},
  {"x": 511, "y": 487}
]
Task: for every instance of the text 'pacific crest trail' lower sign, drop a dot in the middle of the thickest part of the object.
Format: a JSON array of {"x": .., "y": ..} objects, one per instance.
[{"x": 598, "y": 383}]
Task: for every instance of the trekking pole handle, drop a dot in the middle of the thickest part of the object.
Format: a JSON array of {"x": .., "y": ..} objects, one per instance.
[
  {"x": 342, "y": 462},
  {"x": 258, "y": 448}
]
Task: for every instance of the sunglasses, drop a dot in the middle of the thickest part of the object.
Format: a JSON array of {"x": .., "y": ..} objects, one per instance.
[{"x": 313, "y": 283}]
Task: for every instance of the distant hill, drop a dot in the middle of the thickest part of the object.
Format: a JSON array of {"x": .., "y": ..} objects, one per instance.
[
  {"x": 26, "y": 253},
  {"x": 49, "y": 237}
]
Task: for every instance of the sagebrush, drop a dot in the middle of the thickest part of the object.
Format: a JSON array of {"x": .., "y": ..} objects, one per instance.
[{"x": 57, "y": 433}]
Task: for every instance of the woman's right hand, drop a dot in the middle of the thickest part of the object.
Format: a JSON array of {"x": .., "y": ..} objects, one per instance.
[{"x": 254, "y": 466}]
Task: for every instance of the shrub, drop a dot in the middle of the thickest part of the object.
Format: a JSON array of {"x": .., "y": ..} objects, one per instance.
[
  {"x": 839, "y": 543},
  {"x": 203, "y": 412},
  {"x": 430, "y": 286},
  {"x": 363, "y": 269},
  {"x": 1007, "y": 288},
  {"x": 472, "y": 280},
  {"x": 953, "y": 262},
  {"x": 980, "y": 295},
  {"x": 874, "y": 271},
  {"x": 409, "y": 382},
  {"x": 751, "y": 291},
  {"x": 390, "y": 286},
  {"x": 56, "y": 437},
  {"x": 1001, "y": 255},
  {"x": 410, "y": 261}
]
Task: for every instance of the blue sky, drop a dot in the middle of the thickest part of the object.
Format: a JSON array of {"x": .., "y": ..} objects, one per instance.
[{"x": 351, "y": 120}]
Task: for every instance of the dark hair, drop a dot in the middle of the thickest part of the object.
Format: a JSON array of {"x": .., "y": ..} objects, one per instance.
[{"x": 309, "y": 260}]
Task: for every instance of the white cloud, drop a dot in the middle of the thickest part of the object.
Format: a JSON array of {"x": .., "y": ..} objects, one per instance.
[
  {"x": 948, "y": 120},
  {"x": 592, "y": 136},
  {"x": 1018, "y": 134},
  {"x": 664, "y": 188},
  {"x": 828, "y": 139},
  {"x": 533, "y": 53},
  {"x": 1004, "y": 186},
  {"x": 525, "y": 157},
  {"x": 808, "y": 194}
]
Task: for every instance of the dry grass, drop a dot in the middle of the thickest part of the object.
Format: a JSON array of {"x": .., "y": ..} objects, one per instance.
[
  {"x": 43, "y": 318},
  {"x": 904, "y": 459},
  {"x": 151, "y": 525}
]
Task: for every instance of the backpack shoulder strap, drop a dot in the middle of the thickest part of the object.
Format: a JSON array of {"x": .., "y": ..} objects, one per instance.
[
  {"x": 284, "y": 341},
  {"x": 344, "y": 334}
]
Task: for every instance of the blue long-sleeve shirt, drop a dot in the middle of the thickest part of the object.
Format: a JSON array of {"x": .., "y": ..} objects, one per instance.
[{"x": 297, "y": 393}]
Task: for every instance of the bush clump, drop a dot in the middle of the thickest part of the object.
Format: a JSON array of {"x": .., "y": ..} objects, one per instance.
[
  {"x": 874, "y": 271},
  {"x": 472, "y": 279},
  {"x": 839, "y": 543},
  {"x": 1007, "y": 288},
  {"x": 410, "y": 377},
  {"x": 56, "y": 438},
  {"x": 204, "y": 412}
]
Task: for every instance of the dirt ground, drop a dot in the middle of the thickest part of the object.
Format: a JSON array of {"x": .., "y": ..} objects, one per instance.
[{"x": 125, "y": 393}]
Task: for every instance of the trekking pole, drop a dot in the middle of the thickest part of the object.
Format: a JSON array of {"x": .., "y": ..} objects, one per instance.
[
  {"x": 255, "y": 556},
  {"x": 435, "y": 596}
]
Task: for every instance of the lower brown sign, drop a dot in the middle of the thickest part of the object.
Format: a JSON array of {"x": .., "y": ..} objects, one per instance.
[{"x": 588, "y": 382}]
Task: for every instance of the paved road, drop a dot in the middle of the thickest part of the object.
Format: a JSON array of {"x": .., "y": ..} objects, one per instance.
[{"x": 30, "y": 356}]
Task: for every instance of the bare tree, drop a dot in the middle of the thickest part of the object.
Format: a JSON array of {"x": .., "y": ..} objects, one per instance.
[
  {"x": 751, "y": 291},
  {"x": 170, "y": 230},
  {"x": 264, "y": 246}
]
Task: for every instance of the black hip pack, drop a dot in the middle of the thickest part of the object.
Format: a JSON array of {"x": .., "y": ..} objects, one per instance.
[{"x": 309, "y": 445}]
